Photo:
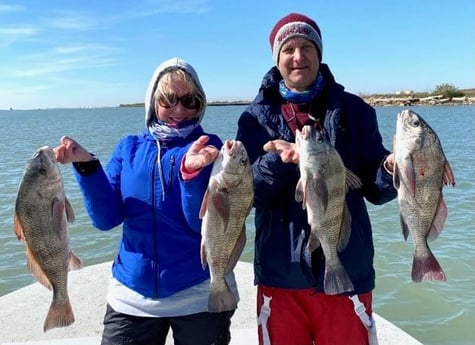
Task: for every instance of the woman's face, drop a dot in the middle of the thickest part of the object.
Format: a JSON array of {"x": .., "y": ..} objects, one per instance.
[
  {"x": 176, "y": 104},
  {"x": 298, "y": 63}
]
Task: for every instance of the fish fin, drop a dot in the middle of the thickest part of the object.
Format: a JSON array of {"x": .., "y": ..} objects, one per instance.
[
  {"x": 36, "y": 270},
  {"x": 204, "y": 204},
  {"x": 18, "y": 228},
  {"x": 345, "y": 230},
  {"x": 336, "y": 280},
  {"x": 299, "y": 192},
  {"x": 448, "y": 174},
  {"x": 396, "y": 179},
  {"x": 221, "y": 298},
  {"x": 69, "y": 211},
  {"x": 404, "y": 227},
  {"x": 59, "y": 315},
  {"x": 220, "y": 200},
  {"x": 410, "y": 174},
  {"x": 439, "y": 220},
  {"x": 237, "y": 251},
  {"x": 427, "y": 268},
  {"x": 312, "y": 243},
  {"x": 203, "y": 256},
  {"x": 75, "y": 261},
  {"x": 58, "y": 209},
  {"x": 352, "y": 180}
]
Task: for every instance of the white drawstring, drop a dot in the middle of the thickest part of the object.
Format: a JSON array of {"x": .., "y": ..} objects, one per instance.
[
  {"x": 262, "y": 319},
  {"x": 367, "y": 320}
]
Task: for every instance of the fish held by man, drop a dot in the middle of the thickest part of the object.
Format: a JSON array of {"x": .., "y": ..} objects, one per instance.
[
  {"x": 225, "y": 207},
  {"x": 420, "y": 171},
  {"x": 42, "y": 213},
  {"x": 324, "y": 181}
]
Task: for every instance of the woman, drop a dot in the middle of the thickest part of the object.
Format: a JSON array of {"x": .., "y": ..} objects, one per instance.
[{"x": 153, "y": 186}]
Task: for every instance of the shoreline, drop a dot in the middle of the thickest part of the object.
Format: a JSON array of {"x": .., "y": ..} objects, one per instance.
[{"x": 375, "y": 101}]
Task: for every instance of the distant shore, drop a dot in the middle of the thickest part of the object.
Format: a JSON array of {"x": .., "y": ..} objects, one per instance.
[
  {"x": 210, "y": 104},
  {"x": 374, "y": 100}
]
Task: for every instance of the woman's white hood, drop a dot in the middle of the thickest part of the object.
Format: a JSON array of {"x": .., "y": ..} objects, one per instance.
[{"x": 173, "y": 63}]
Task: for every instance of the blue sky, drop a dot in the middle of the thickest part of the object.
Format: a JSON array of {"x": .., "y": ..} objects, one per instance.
[{"x": 56, "y": 53}]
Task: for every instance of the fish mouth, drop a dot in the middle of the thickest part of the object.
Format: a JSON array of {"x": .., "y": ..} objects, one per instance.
[
  {"x": 306, "y": 131},
  {"x": 230, "y": 146}
]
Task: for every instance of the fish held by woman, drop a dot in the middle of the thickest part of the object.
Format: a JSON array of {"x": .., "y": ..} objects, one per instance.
[
  {"x": 324, "y": 181},
  {"x": 42, "y": 213},
  {"x": 225, "y": 207},
  {"x": 420, "y": 171}
]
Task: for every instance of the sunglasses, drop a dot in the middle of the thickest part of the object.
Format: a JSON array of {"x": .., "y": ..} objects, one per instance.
[{"x": 170, "y": 100}]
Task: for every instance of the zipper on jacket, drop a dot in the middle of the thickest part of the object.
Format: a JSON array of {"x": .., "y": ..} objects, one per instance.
[
  {"x": 154, "y": 224},
  {"x": 170, "y": 175}
]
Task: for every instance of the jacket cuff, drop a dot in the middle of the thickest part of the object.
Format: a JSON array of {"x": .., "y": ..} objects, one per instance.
[
  {"x": 187, "y": 174},
  {"x": 87, "y": 168}
]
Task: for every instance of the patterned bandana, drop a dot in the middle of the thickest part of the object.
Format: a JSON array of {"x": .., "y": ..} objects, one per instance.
[
  {"x": 163, "y": 132},
  {"x": 304, "y": 96}
]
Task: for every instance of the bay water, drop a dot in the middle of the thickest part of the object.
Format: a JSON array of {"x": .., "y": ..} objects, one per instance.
[{"x": 438, "y": 313}]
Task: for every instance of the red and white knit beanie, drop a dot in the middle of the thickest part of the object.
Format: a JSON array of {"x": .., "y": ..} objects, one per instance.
[{"x": 294, "y": 25}]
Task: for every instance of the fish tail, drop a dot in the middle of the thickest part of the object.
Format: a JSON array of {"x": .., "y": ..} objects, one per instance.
[
  {"x": 59, "y": 315},
  {"x": 427, "y": 268},
  {"x": 336, "y": 280},
  {"x": 221, "y": 299}
]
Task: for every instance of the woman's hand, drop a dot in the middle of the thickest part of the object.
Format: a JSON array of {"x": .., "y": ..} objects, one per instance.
[
  {"x": 70, "y": 151},
  {"x": 200, "y": 155},
  {"x": 287, "y": 151}
]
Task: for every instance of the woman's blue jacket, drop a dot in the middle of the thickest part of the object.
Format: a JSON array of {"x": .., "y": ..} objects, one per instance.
[
  {"x": 281, "y": 223},
  {"x": 159, "y": 252}
]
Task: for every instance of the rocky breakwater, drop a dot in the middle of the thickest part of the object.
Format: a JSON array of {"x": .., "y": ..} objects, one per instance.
[{"x": 414, "y": 100}]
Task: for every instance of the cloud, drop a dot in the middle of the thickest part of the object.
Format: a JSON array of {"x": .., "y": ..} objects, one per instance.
[
  {"x": 71, "y": 21},
  {"x": 63, "y": 59},
  {"x": 12, "y": 34},
  {"x": 10, "y": 8}
]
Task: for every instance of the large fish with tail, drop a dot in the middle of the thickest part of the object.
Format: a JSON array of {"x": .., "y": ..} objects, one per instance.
[
  {"x": 225, "y": 207},
  {"x": 420, "y": 172},
  {"x": 324, "y": 181},
  {"x": 42, "y": 213}
]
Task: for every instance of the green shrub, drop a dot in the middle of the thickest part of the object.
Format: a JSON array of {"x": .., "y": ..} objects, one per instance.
[{"x": 447, "y": 91}]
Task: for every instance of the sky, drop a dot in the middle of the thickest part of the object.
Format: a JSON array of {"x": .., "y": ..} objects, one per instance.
[{"x": 89, "y": 53}]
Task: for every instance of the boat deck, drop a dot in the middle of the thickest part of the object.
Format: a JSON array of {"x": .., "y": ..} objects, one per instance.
[{"x": 23, "y": 312}]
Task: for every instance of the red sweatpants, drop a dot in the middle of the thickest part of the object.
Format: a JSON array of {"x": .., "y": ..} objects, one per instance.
[{"x": 303, "y": 317}]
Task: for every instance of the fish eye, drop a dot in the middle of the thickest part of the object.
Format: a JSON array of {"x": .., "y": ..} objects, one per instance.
[{"x": 416, "y": 123}]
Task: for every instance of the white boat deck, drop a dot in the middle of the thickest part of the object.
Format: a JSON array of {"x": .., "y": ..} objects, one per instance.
[{"x": 22, "y": 313}]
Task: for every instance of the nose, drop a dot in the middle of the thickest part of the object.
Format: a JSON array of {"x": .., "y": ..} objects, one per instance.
[{"x": 298, "y": 54}]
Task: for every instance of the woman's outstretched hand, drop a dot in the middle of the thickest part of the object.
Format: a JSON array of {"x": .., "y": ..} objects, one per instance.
[
  {"x": 70, "y": 151},
  {"x": 200, "y": 155}
]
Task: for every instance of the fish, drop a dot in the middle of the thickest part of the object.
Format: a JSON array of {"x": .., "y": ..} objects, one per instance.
[
  {"x": 322, "y": 187},
  {"x": 225, "y": 206},
  {"x": 420, "y": 171},
  {"x": 42, "y": 213}
]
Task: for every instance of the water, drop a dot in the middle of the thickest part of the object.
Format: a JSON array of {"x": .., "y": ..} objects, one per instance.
[{"x": 434, "y": 312}]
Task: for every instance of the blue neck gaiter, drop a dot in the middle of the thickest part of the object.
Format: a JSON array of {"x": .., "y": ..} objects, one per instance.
[{"x": 304, "y": 96}]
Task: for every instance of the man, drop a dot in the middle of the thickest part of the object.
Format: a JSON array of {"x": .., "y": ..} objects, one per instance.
[{"x": 300, "y": 90}]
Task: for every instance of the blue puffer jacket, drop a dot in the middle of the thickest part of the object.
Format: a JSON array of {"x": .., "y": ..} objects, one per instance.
[
  {"x": 281, "y": 223},
  {"x": 159, "y": 251}
]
